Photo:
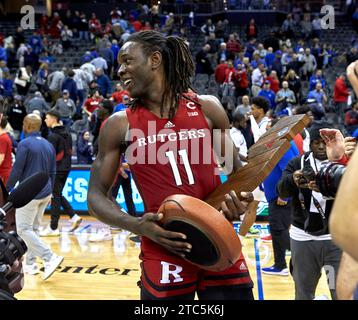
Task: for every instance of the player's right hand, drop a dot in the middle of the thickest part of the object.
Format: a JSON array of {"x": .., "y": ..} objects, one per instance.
[{"x": 172, "y": 241}]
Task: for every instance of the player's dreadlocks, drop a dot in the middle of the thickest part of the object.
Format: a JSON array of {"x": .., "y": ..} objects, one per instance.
[{"x": 178, "y": 64}]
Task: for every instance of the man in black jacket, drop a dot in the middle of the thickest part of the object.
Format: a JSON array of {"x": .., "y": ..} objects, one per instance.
[
  {"x": 311, "y": 243},
  {"x": 61, "y": 139}
]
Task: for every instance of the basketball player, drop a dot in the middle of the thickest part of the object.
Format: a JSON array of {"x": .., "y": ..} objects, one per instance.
[{"x": 156, "y": 71}]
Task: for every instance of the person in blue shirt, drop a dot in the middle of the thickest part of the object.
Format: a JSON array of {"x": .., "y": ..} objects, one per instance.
[
  {"x": 318, "y": 94},
  {"x": 314, "y": 79},
  {"x": 35, "y": 154},
  {"x": 123, "y": 105},
  {"x": 270, "y": 57},
  {"x": 267, "y": 93},
  {"x": 279, "y": 214},
  {"x": 104, "y": 83}
]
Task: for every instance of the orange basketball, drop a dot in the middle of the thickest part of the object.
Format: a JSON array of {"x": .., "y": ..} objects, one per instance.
[{"x": 215, "y": 244}]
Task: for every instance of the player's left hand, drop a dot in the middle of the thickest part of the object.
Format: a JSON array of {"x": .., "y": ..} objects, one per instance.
[{"x": 233, "y": 207}]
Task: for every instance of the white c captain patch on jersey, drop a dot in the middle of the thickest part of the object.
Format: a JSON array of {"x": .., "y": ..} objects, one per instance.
[{"x": 191, "y": 105}]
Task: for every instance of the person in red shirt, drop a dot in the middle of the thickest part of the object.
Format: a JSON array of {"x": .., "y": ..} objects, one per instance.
[
  {"x": 274, "y": 81},
  {"x": 5, "y": 152},
  {"x": 240, "y": 81},
  {"x": 341, "y": 94},
  {"x": 220, "y": 72},
  {"x": 137, "y": 25},
  {"x": 92, "y": 104},
  {"x": 117, "y": 96}
]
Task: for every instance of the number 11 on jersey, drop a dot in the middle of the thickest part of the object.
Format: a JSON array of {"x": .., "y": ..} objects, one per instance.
[{"x": 184, "y": 155}]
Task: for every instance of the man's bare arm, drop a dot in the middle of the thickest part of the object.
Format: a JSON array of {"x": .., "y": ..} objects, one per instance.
[{"x": 104, "y": 171}]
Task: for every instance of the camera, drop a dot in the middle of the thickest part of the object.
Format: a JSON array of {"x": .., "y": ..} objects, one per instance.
[
  {"x": 12, "y": 248},
  {"x": 327, "y": 179}
]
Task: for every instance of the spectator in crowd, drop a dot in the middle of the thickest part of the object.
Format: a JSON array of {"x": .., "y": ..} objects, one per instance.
[
  {"x": 203, "y": 64},
  {"x": 90, "y": 69},
  {"x": 61, "y": 139},
  {"x": 55, "y": 80},
  {"x": 317, "y": 77},
  {"x": 294, "y": 83},
  {"x": 83, "y": 27},
  {"x": 104, "y": 83},
  {"x": 84, "y": 148},
  {"x": 66, "y": 37},
  {"x": 277, "y": 64},
  {"x": 310, "y": 64},
  {"x": 316, "y": 27},
  {"x": 257, "y": 79},
  {"x": 41, "y": 78},
  {"x": 107, "y": 54},
  {"x": 31, "y": 59},
  {"x": 82, "y": 79},
  {"x": 16, "y": 113},
  {"x": 233, "y": 46},
  {"x": 351, "y": 118},
  {"x": 274, "y": 81},
  {"x": 35, "y": 42},
  {"x": 5, "y": 151},
  {"x": 66, "y": 107},
  {"x": 340, "y": 97},
  {"x": 23, "y": 80},
  {"x": 35, "y": 154},
  {"x": 70, "y": 85},
  {"x": 251, "y": 30},
  {"x": 285, "y": 99},
  {"x": 241, "y": 82},
  {"x": 220, "y": 72},
  {"x": 269, "y": 57},
  {"x": 259, "y": 120},
  {"x": 123, "y": 105},
  {"x": 228, "y": 85},
  {"x": 95, "y": 27},
  {"x": 318, "y": 95},
  {"x": 295, "y": 64},
  {"x": 267, "y": 93},
  {"x": 245, "y": 107},
  {"x": 222, "y": 54},
  {"x": 117, "y": 96},
  {"x": 92, "y": 103},
  {"x": 207, "y": 28},
  {"x": 288, "y": 27},
  {"x": 6, "y": 86},
  {"x": 311, "y": 244},
  {"x": 37, "y": 103}
]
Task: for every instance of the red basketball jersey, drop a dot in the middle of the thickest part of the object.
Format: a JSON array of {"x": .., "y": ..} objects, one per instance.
[{"x": 171, "y": 156}]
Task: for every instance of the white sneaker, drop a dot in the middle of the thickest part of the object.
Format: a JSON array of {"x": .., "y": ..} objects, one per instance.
[
  {"x": 48, "y": 232},
  {"x": 101, "y": 235},
  {"x": 31, "y": 268},
  {"x": 75, "y": 222},
  {"x": 51, "y": 266}
]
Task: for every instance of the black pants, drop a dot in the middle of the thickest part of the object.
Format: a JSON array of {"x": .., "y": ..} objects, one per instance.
[
  {"x": 59, "y": 200},
  {"x": 127, "y": 190},
  {"x": 280, "y": 220}
]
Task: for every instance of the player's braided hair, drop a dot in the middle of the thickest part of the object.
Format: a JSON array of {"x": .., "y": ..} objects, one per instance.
[{"x": 178, "y": 65}]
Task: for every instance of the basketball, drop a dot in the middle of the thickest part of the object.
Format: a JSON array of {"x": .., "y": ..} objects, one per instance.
[{"x": 215, "y": 245}]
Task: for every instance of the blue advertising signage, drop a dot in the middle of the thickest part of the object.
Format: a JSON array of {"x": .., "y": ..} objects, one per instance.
[{"x": 76, "y": 187}]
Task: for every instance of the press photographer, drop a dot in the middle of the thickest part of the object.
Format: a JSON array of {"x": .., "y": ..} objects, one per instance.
[{"x": 311, "y": 243}]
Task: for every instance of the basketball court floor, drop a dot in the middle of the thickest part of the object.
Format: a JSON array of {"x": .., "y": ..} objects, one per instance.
[{"x": 110, "y": 269}]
